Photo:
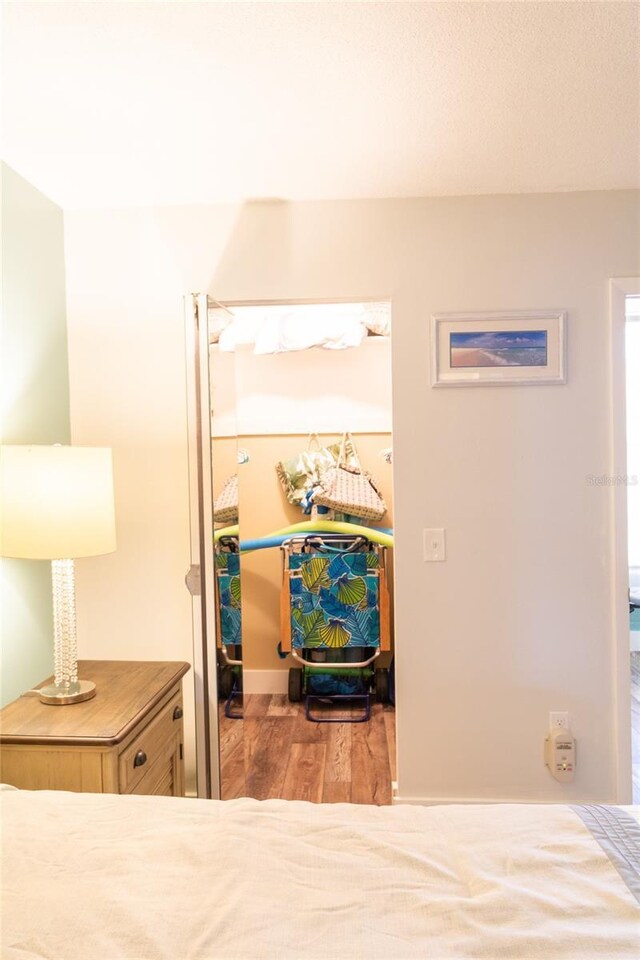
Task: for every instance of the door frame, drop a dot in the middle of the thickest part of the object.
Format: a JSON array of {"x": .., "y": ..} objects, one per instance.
[
  {"x": 201, "y": 469},
  {"x": 201, "y": 546},
  {"x": 619, "y": 289}
]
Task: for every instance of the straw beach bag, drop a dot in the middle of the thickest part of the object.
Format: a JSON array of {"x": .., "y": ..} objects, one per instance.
[
  {"x": 225, "y": 506},
  {"x": 300, "y": 473},
  {"x": 347, "y": 488}
]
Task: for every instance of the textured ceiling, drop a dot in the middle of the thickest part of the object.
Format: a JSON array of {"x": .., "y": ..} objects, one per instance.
[{"x": 121, "y": 103}]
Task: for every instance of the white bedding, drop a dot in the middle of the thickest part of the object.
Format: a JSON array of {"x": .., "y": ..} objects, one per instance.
[{"x": 108, "y": 877}]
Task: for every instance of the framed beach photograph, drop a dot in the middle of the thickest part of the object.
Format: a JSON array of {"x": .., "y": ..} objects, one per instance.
[{"x": 523, "y": 346}]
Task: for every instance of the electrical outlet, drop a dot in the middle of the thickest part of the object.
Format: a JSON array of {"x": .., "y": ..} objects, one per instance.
[{"x": 558, "y": 720}]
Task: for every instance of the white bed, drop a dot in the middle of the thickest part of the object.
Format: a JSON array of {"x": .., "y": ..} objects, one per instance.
[{"x": 89, "y": 877}]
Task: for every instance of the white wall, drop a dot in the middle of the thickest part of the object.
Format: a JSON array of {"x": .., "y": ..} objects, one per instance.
[
  {"x": 517, "y": 622},
  {"x": 633, "y": 428},
  {"x": 35, "y": 405},
  {"x": 307, "y": 391}
]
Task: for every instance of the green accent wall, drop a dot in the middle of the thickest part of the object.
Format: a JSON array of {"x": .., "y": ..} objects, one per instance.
[{"x": 35, "y": 405}]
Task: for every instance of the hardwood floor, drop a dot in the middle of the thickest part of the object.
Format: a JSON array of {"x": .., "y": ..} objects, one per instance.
[
  {"x": 635, "y": 725},
  {"x": 276, "y": 752}
]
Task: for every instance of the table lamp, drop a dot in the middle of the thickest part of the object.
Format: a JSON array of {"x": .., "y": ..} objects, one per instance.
[{"x": 57, "y": 504}]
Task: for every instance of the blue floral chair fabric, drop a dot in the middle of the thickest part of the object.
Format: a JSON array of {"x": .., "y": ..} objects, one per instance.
[
  {"x": 230, "y": 595},
  {"x": 334, "y": 600}
]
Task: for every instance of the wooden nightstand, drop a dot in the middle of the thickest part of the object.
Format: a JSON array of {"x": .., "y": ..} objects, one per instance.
[{"x": 128, "y": 739}]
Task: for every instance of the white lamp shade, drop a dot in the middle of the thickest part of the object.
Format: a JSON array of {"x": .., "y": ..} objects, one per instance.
[{"x": 56, "y": 502}]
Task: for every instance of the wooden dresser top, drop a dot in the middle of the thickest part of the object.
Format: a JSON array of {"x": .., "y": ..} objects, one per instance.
[{"x": 126, "y": 690}]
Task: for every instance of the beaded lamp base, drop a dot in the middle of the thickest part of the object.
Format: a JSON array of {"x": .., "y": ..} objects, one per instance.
[
  {"x": 67, "y": 693},
  {"x": 66, "y": 687}
]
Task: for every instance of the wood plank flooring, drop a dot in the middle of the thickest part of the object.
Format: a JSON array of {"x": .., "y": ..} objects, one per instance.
[
  {"x": 276, "y": 752},
  {"x": 635, "y": 725}
]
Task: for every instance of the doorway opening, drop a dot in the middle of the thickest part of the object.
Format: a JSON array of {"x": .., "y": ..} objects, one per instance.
[
  {"x": 302, "y": 645},
  {"x": 632, "y": 380}
]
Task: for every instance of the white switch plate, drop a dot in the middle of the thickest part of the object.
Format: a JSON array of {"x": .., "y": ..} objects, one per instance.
[{"x": 434, "y": 545}]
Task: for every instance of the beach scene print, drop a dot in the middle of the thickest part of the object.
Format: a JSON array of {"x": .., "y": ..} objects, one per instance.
[{"x": 512, "y": 348}]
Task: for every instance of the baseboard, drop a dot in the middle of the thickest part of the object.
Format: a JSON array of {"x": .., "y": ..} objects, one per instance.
[
  {"x": 265, "y": 681},
  {"x": 635, "y": 641},
  {"x": 441, "y": 801}
]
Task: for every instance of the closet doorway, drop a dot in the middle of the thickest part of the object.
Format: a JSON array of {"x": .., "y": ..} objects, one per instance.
[
  {"x": 632, "y": 478},
  {"x": 292, "y": 549},
  {"x": 624, "y": 306}
]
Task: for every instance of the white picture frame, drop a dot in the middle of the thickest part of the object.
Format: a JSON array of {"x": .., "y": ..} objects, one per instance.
[{"x": 501, "y": 348}]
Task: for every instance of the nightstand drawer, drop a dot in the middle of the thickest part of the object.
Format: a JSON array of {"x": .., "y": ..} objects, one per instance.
[
  {"x": 136, "y": 761},
  {"x": 161, "y": 779}
]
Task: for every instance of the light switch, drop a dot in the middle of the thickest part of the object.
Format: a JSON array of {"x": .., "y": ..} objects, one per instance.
[{"x": 434, "y": 545}]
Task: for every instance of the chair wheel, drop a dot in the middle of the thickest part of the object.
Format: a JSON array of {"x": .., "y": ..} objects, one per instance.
[
  {"x": 295, "y": 685},
  {"x": 382, "y": 685}
]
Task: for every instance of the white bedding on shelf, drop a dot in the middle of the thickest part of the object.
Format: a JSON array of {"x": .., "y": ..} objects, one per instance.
[{"x": 109, "y": 877}]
